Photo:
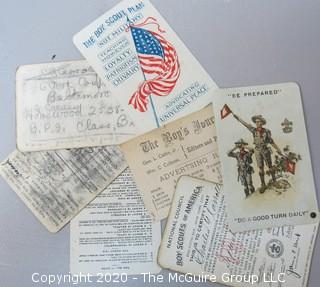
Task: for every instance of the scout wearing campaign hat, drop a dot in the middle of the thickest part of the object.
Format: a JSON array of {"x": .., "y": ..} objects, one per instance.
[
  {"x": 260, "y": 118},
  {"x": 241, "y": 142},
  {"x": 262, "y": 139},
  {"x": 244, "y": 160}
]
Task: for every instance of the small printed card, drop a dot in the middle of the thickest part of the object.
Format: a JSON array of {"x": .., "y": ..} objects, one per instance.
[
  {"x": 145, "y": 65},
  {"x": 264, "y": 153},
  {"x": 197, "y": 241},
  {"x": 56, "y": 185},
  {"x": 121, "y": 234},
  {"x": 187, "y": 146}
]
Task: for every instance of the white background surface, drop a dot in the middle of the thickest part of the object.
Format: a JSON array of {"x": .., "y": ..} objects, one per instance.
[{"x": 239, "y": 43}]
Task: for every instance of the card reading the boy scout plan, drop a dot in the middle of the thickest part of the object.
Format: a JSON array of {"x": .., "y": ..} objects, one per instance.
[
  {"x": 266, "y": 166},
  {"x": 66, "y": 105},
  {"x": 145, "y": 65}
]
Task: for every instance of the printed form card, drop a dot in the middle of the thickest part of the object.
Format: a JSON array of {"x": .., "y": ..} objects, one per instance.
[
  {"x": 56, "y": 185},
  {"x": 66, "y": 105},
  {"x": 187, "y": 146},
  {"x": 197, "y": 241},
  {"x": 114, "y": 234},
  {"x": 265, "y": 157},
  {"x": 145, "y": 65}
]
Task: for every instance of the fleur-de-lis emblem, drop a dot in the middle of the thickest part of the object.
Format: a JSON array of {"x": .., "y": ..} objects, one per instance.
[{"x": 287, "y": 126}]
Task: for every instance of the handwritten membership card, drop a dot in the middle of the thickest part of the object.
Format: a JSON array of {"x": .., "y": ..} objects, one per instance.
[
  {"x": 265, "y": 157},
  {"x": 197, "y": 241},
  {"x": 114, "y": 233},
  {"x": 56, "y": 185},
  {"x": 66, "y": 105},
  {"x": 145, "y": 64},
  {"x": 158, "y": 158}
]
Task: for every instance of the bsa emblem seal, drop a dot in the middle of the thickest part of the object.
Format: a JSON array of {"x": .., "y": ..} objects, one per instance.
[{"x": 274, "y": 248}]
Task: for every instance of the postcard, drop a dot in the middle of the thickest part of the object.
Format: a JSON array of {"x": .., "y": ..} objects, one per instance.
[
  {"x": 114, "y": 233},
  {"x": 265, "y": 157},
  {"x": 187, "y": 146},
  {"x": 145, "y": 65},
  {"x": 197, "y": 241},
  {"x": 66, "y": 105},
  {"x": 56, "y": 185}
]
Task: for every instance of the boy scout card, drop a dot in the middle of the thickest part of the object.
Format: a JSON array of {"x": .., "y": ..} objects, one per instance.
[
  {"x": 144, "y": 64},
  {"x": 198, "y": 241},
  {"x": 265, "y": 158},
  {"x": 187, "y": 146},
  {"x": 66, "y": 105}
]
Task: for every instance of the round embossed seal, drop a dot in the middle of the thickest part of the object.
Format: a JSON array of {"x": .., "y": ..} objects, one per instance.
[{"x": 274, "y": 248}]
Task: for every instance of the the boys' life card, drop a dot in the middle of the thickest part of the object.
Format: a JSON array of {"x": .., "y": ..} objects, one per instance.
[
  {"x": 198, "y": 241},
  {"x": 187, "y": 146},
  {"x": 145, "y": 64},
  {"x": 66, "y": 105},
  {"x": 264, "y": 153}
]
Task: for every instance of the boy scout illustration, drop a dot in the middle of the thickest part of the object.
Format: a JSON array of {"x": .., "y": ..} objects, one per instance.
[
  {"x": 243, "y": 155},
  {"x": 262, "y": 140}
]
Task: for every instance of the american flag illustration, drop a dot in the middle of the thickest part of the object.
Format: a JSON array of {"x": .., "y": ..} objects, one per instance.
[{"x": 158, "y": 58}]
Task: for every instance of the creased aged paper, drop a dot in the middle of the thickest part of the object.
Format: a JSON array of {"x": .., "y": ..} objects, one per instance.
[
  {"x": 197, "y": 241},
  {"x": 184, "y": 147},
  {"x": 265, "y": 159},
  {"x": 114, "y": 233},
  {"x": 144, "y": 64},
  {"x": 56, "y": 185},
  {"x": 66, "y": 105}
]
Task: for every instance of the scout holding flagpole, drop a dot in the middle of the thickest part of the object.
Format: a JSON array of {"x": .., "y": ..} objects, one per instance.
[{"x": 261, "y": 139}]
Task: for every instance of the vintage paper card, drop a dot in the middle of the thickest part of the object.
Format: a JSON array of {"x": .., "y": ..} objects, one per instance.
[
  {"x": 197, "y": 241},
  {"x": 184, "y": 147},
  {"x": 66, "y": 105},
  {"x": 265, "y": 158},
  {"x": 114, "y": 234},
  {"x": 144, "y": 64},
  {"x": 56, "y": 185}
]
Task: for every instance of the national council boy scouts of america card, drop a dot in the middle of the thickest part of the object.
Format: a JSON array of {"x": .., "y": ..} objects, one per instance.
[
  {"x": 197, "y": 241},
  {"x": 145, "y": 65},
  {"x": 263, "y": 148}
]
